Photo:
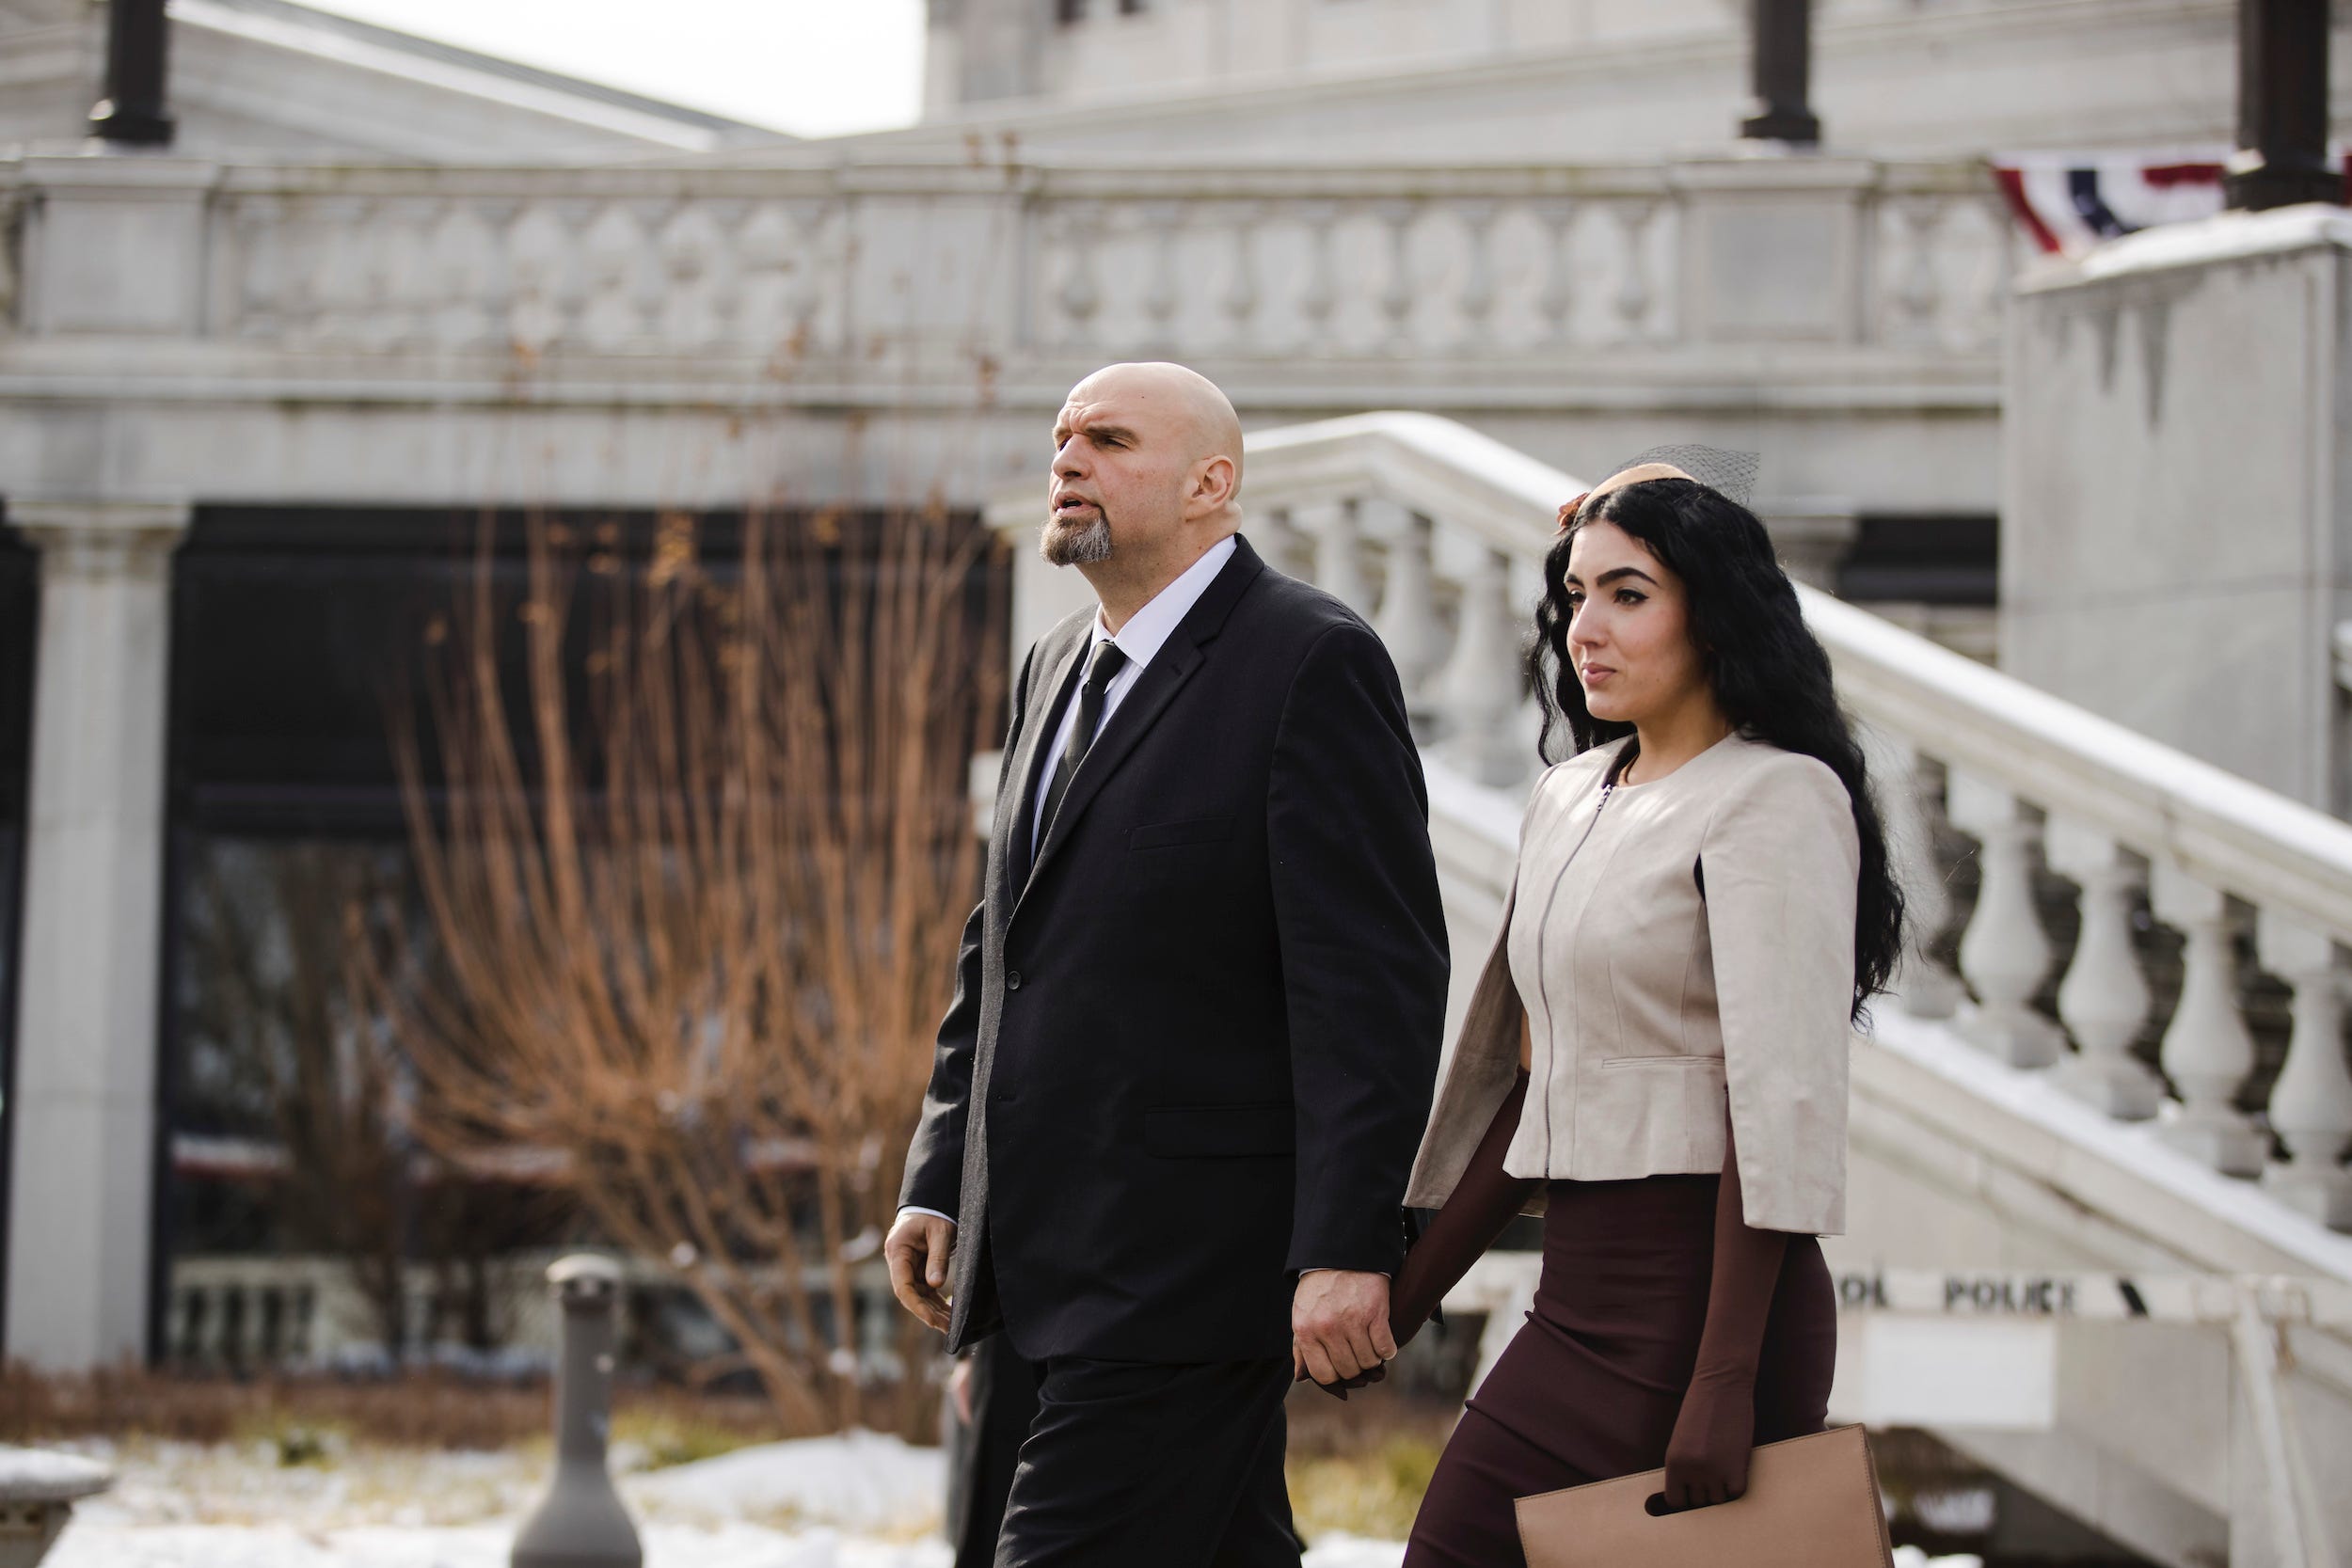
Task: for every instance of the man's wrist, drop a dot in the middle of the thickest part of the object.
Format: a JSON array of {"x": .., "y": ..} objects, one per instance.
[{"x": 906, "y": 1209}]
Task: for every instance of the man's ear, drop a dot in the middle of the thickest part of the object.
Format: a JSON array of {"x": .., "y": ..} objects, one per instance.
[{"x": 1212, "y": 485}]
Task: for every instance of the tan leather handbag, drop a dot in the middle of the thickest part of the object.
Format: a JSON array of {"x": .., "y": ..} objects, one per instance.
[{"x": 1811, "y": 1502}]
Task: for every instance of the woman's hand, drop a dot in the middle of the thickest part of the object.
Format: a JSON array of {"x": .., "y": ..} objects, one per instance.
[{"x": 1706, "y": 1458}]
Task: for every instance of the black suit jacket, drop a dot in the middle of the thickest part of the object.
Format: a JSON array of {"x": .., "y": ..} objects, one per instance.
[{"x": 1192, "y": 1048}]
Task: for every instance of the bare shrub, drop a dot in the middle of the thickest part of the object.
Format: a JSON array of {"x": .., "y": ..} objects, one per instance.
[{"x": 695, "y": 914}]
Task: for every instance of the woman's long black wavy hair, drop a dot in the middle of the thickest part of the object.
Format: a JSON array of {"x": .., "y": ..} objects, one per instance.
[{"x": 1770, "y": 674}]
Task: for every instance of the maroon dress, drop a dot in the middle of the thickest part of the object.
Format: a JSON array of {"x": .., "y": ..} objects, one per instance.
[{"x": 1589, "y": 1387}]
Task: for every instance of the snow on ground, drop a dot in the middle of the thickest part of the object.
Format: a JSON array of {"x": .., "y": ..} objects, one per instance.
[
  {"x": 855, "y": 1501},
  {"x": 860, "y": 1481}
]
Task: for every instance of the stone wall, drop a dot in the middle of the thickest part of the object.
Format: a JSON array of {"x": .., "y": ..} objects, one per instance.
[{"x": 2176, "y": 542}]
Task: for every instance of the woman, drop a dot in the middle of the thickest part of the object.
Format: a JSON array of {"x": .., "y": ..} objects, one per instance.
[{"x": 1655, "y": 1056}]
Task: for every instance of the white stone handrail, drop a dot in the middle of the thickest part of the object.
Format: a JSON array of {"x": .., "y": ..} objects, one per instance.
[
  {"x": 2247, "y": 840},
  {"x": 965, "y": 264},
  {"x": 1436, "y": 532}
]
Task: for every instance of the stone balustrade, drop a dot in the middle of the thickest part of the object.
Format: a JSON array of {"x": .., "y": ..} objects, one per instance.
[
  {"x": 1437, "y": 532},
  {"x": 771, "y": 271}
]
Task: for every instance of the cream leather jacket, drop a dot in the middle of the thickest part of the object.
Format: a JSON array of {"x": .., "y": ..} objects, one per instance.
[{"x": 1683, "y": 949}]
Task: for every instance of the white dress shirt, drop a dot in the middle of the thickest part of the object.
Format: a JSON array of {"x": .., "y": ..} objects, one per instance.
[{"x": 1145, "y": 634}]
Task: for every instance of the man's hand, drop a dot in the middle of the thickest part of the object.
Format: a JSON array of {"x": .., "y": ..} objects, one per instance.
[
  {"x": 1340, "y": 1324},
  {"x": 918, "y": 1250}
]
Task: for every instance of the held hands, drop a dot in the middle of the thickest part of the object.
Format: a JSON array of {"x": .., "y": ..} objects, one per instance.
[
  {"x": 1340, "y": 1329},
  {"x": 1706, "y": 1458},
  {"x": 918, "y": 1250}
]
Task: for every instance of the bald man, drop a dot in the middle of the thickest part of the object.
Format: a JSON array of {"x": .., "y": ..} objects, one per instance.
[{"x": 1197, "y": 1012}]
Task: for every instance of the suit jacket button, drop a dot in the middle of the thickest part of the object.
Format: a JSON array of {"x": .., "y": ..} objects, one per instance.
[{"x": 1012, "y": 979}]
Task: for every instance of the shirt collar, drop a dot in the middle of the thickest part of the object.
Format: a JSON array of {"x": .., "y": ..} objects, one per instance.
[{"x": 1149, "y": 629}]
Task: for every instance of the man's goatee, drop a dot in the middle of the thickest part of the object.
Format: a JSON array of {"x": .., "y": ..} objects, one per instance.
[{"x": 1063, "y": 546}]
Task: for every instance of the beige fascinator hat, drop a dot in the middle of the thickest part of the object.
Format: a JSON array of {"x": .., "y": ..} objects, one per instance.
[{"x": 1731, "y": 474}]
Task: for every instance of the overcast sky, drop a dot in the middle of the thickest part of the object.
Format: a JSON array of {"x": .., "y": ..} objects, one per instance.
[{"x": 814, "y": 66}]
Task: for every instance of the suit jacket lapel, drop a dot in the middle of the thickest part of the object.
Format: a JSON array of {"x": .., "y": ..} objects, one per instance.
[
  {"x": 1014, "y": 817},
  {"x": 1154, "y": 689}
]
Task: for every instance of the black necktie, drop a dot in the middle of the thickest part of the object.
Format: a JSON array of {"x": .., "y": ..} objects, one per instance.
[{"x": 1107, "y": 662}]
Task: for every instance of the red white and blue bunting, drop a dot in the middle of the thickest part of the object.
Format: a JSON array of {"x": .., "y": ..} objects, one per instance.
[{"x": 2069, "y": 202}]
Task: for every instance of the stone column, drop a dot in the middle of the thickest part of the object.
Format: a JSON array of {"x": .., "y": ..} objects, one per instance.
[{"x": 80, "y": 1196}]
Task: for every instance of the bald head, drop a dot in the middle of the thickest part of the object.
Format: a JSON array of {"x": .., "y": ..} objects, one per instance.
[
  {"x": 1147, "y": 478},
  {"x": 1188, "y": 405}
]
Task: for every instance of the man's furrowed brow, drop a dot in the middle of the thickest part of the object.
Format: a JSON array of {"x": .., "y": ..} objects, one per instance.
[{"x": 1101, "y": 435}]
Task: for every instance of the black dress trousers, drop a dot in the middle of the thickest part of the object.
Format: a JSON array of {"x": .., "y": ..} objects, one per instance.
[
  {"x": 1004, "y": 1407},
  {"x": 1136, "y": 1464}
]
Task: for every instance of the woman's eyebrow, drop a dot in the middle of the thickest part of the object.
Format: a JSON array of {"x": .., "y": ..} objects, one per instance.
[{"x": 1616, "y": 572}]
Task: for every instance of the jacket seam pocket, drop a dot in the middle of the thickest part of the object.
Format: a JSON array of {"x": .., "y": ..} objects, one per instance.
[{"x": 1676, "y": 1060}]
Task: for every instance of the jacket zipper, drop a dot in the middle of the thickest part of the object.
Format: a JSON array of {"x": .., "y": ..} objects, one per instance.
[{"x": 1543, "y": 985}]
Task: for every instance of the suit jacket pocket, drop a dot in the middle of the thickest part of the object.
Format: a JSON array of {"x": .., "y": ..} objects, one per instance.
[
  {"x": 1221, "y": 1131},
  {"x": 1193, "y": 830}
]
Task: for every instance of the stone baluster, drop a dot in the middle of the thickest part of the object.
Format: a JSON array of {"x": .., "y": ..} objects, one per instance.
[
  {"x": 610, "y": 249},
  {"x": 725, "y": 299},
  {"x": 295, "y": 300},
  {"x": 1331, "y": 530},
  {"x": 684, "y": 250},
  {"x": 1080, "y": 295},
  {"x": 1918, "y": 293},
  {"x": 649, "y": 280},
  {"x": 2207, "y": 1051},
  {"x": 1239, "y": 302},
  {"x": 1397, "y": 296},
  {"x": 498, "y": 216},
  {"x": 1164, "y": 220},
  {"x": 1480, "y": 688},
  {"x": 258, "y": 223},
  {"x": 1635, "y": 295},
  {"x": 2004, "y": 953},
  {"x": 2311, "y": 1104},
  {"x": 804, "y": 297},
  {"x": 1319, "y": 294},
  {"x": 1477, "y": 300},
  {"x": 1289, "y": 547},
  {"x": 1408, "y": 621},
  {"x": 1921, "y": 986},
  {"x": 1558, "y": 297},
  {"x": 2103, "y": 999},
  {"x": 571, "y": 279}
]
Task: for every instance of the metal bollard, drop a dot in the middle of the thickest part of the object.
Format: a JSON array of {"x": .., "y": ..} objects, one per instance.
[{"x": 582, "y": 1522}]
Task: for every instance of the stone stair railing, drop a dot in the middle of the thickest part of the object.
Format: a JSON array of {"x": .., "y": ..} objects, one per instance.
[
  {"x": 1886, "y": 269},
  {"x": 1437, "y": 533}
]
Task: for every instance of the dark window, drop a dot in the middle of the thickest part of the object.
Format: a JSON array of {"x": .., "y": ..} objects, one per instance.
[
  {"x": 1940, "y": 559},
  {"x": 1133, "y": 7},
  {"x": 20, "y": 607},
  {"x": 299, "y": 639},
  {"x": 1068, "y": 12}
]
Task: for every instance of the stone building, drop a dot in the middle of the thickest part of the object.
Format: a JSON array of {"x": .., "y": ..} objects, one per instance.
[{"x": 255, "y": 389}]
